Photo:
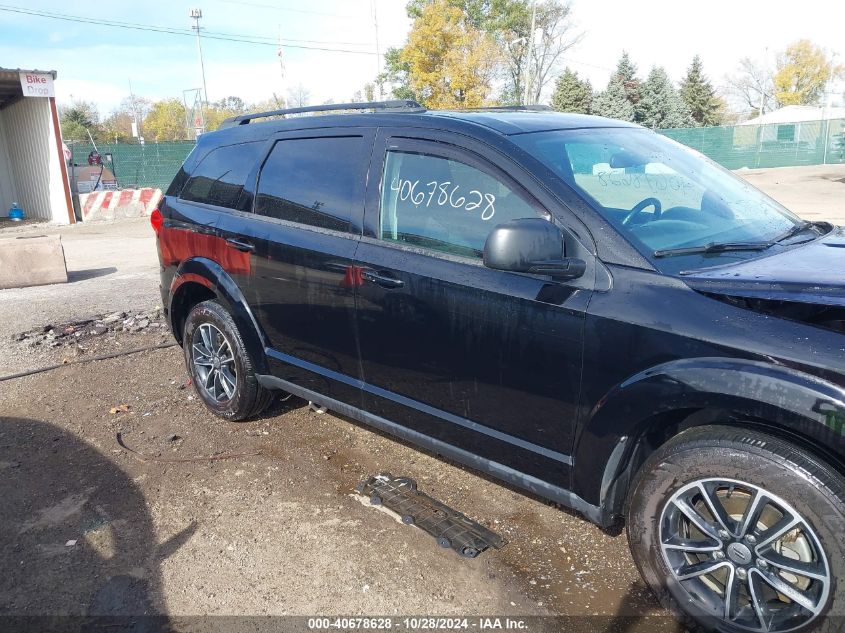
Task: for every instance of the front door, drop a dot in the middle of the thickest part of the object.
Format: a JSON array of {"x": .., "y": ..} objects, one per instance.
[{"x": 485, "y": 360}]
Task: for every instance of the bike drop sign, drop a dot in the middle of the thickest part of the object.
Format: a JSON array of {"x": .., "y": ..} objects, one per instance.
[{"x": 37, "y": 84}]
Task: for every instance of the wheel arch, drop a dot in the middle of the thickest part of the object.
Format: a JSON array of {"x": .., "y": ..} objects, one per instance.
[
  {"x": 200, "y": 279},
  {"x": 639, "y": 415}
]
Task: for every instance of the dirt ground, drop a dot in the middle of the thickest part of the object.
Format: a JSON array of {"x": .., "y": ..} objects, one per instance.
[
  {"x": 259, "y": 518},
  {"x": 814, "y": 193}
]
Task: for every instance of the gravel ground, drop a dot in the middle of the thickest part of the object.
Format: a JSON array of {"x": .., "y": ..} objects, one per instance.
[
  {"x": 277, "y": 530},
  {"x": 111, "y": 267},
  {"x": 270, "y": 525}
]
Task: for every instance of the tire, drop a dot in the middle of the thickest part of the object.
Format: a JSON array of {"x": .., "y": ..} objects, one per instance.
[
  {"x": 233, "y": 393},
  {"x": 707, "y": 468}
]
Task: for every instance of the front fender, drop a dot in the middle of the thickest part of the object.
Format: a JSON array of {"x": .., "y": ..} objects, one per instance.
[
  {"x": 210, "y": 274},
  {"x": 702, "y": 391}
]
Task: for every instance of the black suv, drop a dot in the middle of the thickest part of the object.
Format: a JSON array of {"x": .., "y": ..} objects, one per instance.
[{"x": 578, "y": 306}]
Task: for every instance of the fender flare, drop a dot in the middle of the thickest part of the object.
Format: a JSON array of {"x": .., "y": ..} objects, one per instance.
[
  {"x": 210, "y": 274},
  {"x": 711, "y": 390}
]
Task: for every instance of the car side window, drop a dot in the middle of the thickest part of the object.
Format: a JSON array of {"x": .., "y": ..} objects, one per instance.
[
  {"x": 220, "y": 176},
  {"x": 314, "y": 181},
  {"x": 444, "y": 204}
]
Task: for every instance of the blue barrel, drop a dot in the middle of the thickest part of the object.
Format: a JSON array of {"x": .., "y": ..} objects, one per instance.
[{"x": 16, "y": 213}]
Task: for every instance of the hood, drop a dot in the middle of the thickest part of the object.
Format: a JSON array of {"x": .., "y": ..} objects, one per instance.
[{"x": 810, "y": 273}]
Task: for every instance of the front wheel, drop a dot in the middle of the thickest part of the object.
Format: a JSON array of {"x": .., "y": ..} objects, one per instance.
[
  {"x": 221, "y": 369},
  {"x": 739, "y": 531}
]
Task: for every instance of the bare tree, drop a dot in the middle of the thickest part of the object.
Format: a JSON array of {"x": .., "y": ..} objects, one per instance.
[
  {"x": 298, "y": 96},
  {"x": 752, "y": 86},
  {"x": 554, "y": 35},
  {"x": 510, "y": 25}
]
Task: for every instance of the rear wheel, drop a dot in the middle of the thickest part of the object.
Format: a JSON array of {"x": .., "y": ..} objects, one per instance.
[
  {"x": 221, "y": 369},
  {"x": 739, "y": 531}
]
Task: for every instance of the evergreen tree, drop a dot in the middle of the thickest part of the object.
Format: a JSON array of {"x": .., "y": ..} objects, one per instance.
[
  {"x": 700, "y": 97},
  {"x": 661, "y": 105},
  {"x": 572, "y": 94},
  {"x": 626, "y": 74},
  {"x": 613, "y": 103}
]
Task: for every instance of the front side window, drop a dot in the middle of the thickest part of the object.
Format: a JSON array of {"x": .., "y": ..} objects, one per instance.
[
  {"x": 444, "y": 204},
  {"x": 219, "y": 178},
  {"x": 667, "y": 198},
  {"x": 314, "y": 181}
]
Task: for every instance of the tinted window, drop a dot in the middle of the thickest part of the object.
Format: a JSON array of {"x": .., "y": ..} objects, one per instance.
[
  {"x": 444, "y": 204},
  {"x": 316, "y": 181},
  {"x": 219, "y": 178}
]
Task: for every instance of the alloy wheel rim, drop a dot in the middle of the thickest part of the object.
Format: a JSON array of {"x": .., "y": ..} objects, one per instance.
[
  {"x": 214, "y": 363},
  {"x": 744, "y": 555}
]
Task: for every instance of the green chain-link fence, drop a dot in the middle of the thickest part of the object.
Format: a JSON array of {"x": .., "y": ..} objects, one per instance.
[
  {"x": 734, "y": 147},
  {"x": 148, "y": 165},
  {"x": 772, "y": 145}
]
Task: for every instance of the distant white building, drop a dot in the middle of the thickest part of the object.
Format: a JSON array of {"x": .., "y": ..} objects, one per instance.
[{"x": 797, "y": 114}]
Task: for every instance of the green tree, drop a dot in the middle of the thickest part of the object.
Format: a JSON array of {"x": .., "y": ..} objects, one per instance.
[
  {"x": 396, "y": 75},
  {"x": 117, "y": 128},
  {"x": 77, "y": 120},
  {"x": 166, "y": 121},
  {"x": 698, "y": 93},
  {"x": 626, "y": 74},
  {"x": 477, "y": 12},
  {"x": 803, "y": 72},
  {"x": 613, "y": 103},
  {"x": 218, "y": 111},
  {"x": 572, "y": 94},
  {"x": 450, "y": 64},
  {"x": 367, "y": 94},
  {"x": 268, "y": 105},
  {"x": 661, "y": 106}
]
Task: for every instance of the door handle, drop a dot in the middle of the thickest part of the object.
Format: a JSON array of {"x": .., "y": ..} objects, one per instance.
[
  {"x": 382, "y": 280},
  {"x": 241, "y": 245}
]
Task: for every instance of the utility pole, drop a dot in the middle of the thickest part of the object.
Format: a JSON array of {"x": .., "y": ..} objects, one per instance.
[
  {"x": 196, "y": 16},
  {"x": 281, "y": 62},
  {"x": 136, "y": 123},
  {"x": 527, "y": 86},
  {"x": 378, "y": 52},
  {"x": 763, "y": 94}
]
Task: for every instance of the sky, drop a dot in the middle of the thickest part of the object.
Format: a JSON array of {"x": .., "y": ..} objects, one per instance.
[{"x": 96, "y": 63}]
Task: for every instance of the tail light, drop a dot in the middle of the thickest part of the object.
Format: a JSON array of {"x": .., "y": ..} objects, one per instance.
[{"x": 156, "y": 220}]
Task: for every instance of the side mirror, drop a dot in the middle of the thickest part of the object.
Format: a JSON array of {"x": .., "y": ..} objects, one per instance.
[{"x": 530, "y": 245}]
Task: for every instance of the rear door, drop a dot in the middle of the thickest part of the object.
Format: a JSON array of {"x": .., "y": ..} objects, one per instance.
[
  {"x": 308, "y": 209},
  {"x": 485, "y": 360},
  {"x": 212, "y": 210}
]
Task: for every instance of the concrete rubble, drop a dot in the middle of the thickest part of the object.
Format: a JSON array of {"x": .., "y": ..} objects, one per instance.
[{"x": 70, "y": 332}]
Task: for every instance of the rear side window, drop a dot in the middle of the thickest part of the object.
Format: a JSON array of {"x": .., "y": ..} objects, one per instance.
[
  {"x": 314, "y": 181},
  {"x": 445, "y": 205},
  {"x": 219, "y": 178}
]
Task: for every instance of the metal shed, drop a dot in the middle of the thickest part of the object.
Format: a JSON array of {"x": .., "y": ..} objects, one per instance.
[{"x": 33, "y": 171}]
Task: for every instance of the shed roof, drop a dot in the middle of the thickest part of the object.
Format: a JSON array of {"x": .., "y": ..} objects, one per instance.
[{"x": 797, "y": 114}]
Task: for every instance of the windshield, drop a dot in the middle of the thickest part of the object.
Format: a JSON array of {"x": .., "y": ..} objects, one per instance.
[{"x": 661, "y": 195}]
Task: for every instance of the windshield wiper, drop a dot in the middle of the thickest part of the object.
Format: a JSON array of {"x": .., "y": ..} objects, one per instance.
[
  {"x": 795, "y": 230},
  {"x": 714, "y": 247}
]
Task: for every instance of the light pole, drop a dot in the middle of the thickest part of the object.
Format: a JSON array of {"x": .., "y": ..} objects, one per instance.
[{"x": 196, "y": 15}]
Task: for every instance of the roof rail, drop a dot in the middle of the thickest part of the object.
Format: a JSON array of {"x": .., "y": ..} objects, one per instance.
[
  {"x": 403, "y": 105},
  {"x": 512, "y": 108}
]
